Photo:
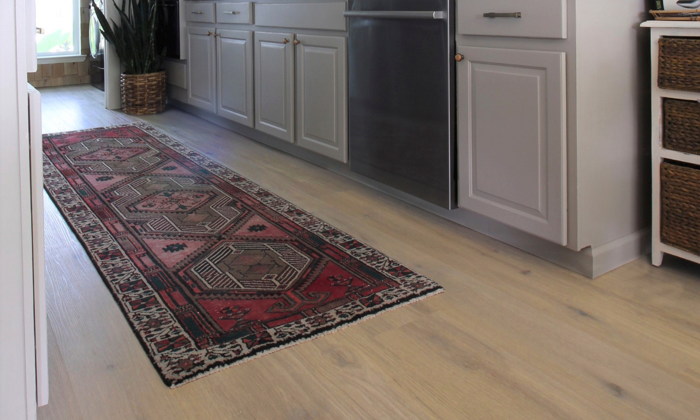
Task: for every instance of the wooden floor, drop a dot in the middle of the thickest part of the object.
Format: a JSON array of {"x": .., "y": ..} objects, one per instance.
[{"x": 513, "y": 337}]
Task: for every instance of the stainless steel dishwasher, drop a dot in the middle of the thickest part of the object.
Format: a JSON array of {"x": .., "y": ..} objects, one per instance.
[{"x": 401, "y": 95}]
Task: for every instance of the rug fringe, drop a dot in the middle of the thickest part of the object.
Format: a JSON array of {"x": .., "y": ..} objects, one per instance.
[{"x": 305, "y": 339}]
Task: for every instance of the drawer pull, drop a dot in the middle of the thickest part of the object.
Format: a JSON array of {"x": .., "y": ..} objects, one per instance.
[
  {"x": 231, "y": 12},
  {"x": 492, "y": 15},
  {"x": 198, "y": 12}
]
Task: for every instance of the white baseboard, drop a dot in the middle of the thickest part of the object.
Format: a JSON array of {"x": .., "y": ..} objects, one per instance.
[{"x": 620, "y": 252}]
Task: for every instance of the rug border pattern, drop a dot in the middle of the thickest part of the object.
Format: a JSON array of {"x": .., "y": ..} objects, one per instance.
[{"x": 118, "y": 271}]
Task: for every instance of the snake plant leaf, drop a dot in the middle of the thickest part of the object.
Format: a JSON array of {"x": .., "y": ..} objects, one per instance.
[{"x": 134, "y": 38}]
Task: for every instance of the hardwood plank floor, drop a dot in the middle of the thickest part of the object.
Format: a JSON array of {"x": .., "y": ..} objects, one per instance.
[{"x": 513, "y": 337}]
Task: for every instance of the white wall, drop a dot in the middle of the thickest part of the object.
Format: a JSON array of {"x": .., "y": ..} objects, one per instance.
[
  {"x": 113, "y": 98},
  {"x": 17, "y": 394}
]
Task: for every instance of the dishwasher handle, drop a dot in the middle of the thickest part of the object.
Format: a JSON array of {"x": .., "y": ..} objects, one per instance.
[
  {"x": 395, "y": 14},
  {"x": 492, "y": 15}
]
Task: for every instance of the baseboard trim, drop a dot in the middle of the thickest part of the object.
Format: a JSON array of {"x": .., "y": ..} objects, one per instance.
[
  {"x": 589, "y": 262},
  {"x": 620, "y": 251}
]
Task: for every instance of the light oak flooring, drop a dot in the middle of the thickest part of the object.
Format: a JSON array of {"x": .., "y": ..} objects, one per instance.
[{"x": 513, "y": 336}]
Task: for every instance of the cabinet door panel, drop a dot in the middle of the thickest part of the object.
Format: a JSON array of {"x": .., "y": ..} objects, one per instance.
[
  {"x": 322, "y": 95},
  {"x": 235, "y": 76},
  {"x": 274, "y": 85},
  {"x": 201, "y": 68},
  {"x": 512, "y": 138}
]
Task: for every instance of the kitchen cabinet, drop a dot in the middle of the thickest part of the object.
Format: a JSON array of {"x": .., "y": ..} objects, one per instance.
[
  {"x": 291, "y": 87},
  {"x": 512, "y": 138},
  {"x": 321, "y": 95},
  {"x": 602, "y": 215},
  {"x": 220, "y": 72},
  {"x": 234, "y": 57},
  {"x": 274, "y": 84},
  {"x": 201, "y": 68},
  {"x": 551, "y": 136}
]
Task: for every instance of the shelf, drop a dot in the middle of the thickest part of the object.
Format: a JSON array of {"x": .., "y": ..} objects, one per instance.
[
  {"x": 671, "y": 24},
  {"x": 667, "y": 249},
  {"x": 678, "y": 94},
  {"x": 680, "y": 156}
]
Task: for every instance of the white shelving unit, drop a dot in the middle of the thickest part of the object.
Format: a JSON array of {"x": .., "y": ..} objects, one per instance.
[{"x": 661, "y": 29}]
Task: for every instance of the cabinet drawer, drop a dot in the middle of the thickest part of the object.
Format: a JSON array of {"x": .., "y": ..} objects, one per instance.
[
  {"x": 679, "y": 62},
  {"x": 234, "y": 13},
  {"x": 521, "y": 18},
  {"x": 681, "y": 126},
  {"x": 680, "y": 199},
  {"x": 327, "y": 16},
  {"x": 200, "y": 12}
]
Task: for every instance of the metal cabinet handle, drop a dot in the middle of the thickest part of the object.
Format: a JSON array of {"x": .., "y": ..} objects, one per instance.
[
  {"x": 459, "y": 57},
  {"x": 199, "y": 12},
  {"x": 394, "y": 15},
  {"x": 231, "y": 12},
  {"x": 297, "y": 42},
  {"x": 285, "y": 41},
  {"x": 215, "y": 35},
  {"x": 208, "y": 33},
  {"x": 492, "y": 15}
]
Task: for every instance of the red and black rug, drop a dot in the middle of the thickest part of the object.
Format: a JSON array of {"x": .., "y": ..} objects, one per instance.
[{"x": 210, "y": 269}]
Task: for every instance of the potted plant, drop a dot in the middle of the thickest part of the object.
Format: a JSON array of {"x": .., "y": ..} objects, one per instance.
[{"x": 134, "y": 39}]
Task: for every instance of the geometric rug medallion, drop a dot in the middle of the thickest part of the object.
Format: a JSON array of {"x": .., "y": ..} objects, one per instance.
[{"x": 210, "y": 269}]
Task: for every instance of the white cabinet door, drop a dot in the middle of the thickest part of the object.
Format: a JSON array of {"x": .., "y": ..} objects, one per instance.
[
  {"x": 512, "y": 138},
  {"x": 235, "y": 76},
  {"x": 274, "y": 84},
  {"x": 201, "y": 68},
  {"x": 321, "y": 91}
]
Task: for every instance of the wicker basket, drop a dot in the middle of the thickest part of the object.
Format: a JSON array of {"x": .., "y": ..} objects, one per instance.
[
  {"x": 680, "y": 206},
  {"x": 679, "y": 64},
  {"x": 143, "y": 93},
  {"x": 682, "y": 126}
]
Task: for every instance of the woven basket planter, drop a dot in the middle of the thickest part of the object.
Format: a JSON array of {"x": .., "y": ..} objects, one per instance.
[
  {"x": 682, "y": 126},
  {"x": 680, "y": 206},
  {"x": 679, "y": 64},
  {"x": 143, "y": 93}
]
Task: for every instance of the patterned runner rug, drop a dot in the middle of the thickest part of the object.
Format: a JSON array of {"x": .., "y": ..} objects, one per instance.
[{"x": 210, "y": 269}]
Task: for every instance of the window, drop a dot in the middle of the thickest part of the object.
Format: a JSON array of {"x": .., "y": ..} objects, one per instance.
[{"x": 58, "y": 28}]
